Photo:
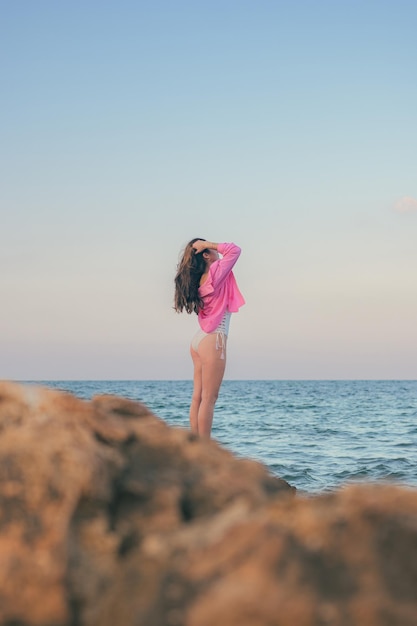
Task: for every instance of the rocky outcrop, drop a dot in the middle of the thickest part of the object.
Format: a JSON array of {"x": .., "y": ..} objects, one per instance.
[
  {"x": 109, "y": 517},
  {"x": 84, "y": 485}
]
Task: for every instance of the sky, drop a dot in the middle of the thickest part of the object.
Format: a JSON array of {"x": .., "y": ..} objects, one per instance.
[{"x": 128, "y": 128}]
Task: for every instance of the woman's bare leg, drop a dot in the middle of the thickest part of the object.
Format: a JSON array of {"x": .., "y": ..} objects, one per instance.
[
  {"x": 212, "y": 371},
  {"x": 196, "y": 398}
]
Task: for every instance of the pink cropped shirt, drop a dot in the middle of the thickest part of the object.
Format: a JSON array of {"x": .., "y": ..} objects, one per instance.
[{"x": 220, "y": 292}]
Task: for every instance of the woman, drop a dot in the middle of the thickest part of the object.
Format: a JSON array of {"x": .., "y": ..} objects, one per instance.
[{"x": 205, "y": 285}]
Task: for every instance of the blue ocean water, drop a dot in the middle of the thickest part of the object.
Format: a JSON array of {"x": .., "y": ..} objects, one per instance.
[{"x": 317, "y": 435}]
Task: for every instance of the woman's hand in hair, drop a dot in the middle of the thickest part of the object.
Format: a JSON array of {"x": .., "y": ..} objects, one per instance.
[{"x": 201, "y": 245}]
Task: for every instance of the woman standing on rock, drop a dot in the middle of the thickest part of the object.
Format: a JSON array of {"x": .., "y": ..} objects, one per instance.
[{"x": 205, "y": 285}]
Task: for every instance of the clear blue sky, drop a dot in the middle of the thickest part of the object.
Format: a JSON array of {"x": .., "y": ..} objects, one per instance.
[{"x": 129, "y": 127}]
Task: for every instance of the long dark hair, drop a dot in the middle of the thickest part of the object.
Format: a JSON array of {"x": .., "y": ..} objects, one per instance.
[{"x": 187, "y": 281}]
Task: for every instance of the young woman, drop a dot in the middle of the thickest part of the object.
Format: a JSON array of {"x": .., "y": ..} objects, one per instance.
[{"x": 205, "y": 285}]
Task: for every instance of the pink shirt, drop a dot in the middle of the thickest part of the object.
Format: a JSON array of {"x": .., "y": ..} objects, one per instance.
[{"x": 220, "y": 291}]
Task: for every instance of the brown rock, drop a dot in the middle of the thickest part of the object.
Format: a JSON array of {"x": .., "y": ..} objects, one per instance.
[
  {"x": 83, "y": 484},
  {"x": 109, "y": 517},
  {"x": 343, "y": 559}
]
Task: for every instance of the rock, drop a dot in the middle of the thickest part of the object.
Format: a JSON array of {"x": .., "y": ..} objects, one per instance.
[
  {"x": 109, "y": 517},
  {"x": 343, "y": 559},
  {"x": 84, "y": 485}
]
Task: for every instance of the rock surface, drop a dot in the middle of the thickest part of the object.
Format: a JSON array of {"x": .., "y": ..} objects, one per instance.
[{"x": 109, "y": 517}]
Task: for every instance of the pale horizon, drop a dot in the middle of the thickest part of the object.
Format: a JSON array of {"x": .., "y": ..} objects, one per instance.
[{"x": 130, "y": 128}]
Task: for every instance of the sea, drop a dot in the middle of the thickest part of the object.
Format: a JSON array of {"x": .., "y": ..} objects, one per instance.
[{"x": 317, "y": 435}]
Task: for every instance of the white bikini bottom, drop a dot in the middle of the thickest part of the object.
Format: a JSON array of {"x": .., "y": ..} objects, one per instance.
[{"x": 221, "y": 331}]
